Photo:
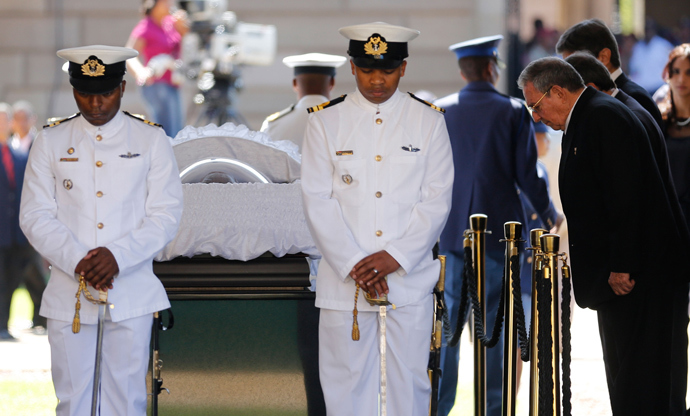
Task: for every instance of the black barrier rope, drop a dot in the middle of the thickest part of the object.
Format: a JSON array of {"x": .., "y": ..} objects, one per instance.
[
  {"x": 519, "y": 316},
  {"x": 565, "y": 312},
  {"x": 544, "y": 345},
  {"x": 470, "y": 277},
  {"x": 454, "y": 337}
]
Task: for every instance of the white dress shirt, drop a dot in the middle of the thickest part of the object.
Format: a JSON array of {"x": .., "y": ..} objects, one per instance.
[
  {"x": 115, "y": 186},
  {"x": 376, "y": 177}
]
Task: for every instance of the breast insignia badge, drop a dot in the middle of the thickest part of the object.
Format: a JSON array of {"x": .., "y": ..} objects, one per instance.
[
  {"x": 347, "y": 179},
  {"x": 67, "y": 184},
  {"x": 410, "y": 148},
  {"x": 130, "y": 155}
]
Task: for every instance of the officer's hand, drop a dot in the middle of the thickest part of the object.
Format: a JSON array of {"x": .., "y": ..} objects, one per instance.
[
  {"x": 99, "y": 268},
  {"x": 621, "y": 283},
  {"x": 371, "y": 271}
]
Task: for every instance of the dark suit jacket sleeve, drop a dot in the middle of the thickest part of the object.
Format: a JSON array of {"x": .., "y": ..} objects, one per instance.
[{"x": 535, "y": 187}]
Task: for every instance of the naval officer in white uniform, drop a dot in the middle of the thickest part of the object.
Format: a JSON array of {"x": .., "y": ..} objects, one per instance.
[
  {"x": 377, "y": 174},
  {"x": 313, "y": 82},
  {"x": 101, "y": 197}
]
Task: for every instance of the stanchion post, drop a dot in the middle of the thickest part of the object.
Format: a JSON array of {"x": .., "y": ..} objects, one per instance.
[
  {"x": 551, "y": 244},
  {"x": 513, "y": 232},
  {"x": 537, "y": 265},
  {"x": 478, "y": 228}
]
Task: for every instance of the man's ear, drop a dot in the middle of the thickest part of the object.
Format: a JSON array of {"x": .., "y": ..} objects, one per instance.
[
  {"x": 605, "y": 57},
  {"x": 122, "y": 88}
]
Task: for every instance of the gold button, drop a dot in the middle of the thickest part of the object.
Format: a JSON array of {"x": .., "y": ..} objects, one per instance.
[
  {"x": 99, "y": 194},
  {"x": 379, "y": 233},
  {"x": 99, "y": 138},
  {"x": 99, "y": 163},
  {"x": 378, "y": 158},
  {"x": 379, "y": 121},
  {"x": 379, "y": 194},
  {"x": 100, "y": 225},
  {"x": 534, "y": 216},
  {"x": 70, "y": 150}
]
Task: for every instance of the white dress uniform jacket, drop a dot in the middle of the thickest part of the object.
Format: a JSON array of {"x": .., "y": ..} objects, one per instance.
[
  {"x": 376, "y": 177},
  {"x": 291, "y": 123},
  {"x": 115, "y": 186}
]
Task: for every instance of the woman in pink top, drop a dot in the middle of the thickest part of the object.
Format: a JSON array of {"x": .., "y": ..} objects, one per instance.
[{"x": 157, "y": 37}]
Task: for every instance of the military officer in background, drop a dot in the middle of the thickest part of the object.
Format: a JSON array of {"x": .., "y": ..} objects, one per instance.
[
  {"x": 377, "y": 175},
  {"x": 495, "y": 158},
  {"x": 101, "y": 197},
  {"x": 313, "y": 82}
]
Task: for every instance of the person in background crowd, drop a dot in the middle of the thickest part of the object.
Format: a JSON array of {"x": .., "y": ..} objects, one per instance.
[
  {"x": 157, "y": 38},
  {"x": 494, "y": 154},
  {"x": 17, "y": 257},
  {"x": 675, "y": 110},
  {"x": 313, "y": 82},
  {"x": 594, "y": 37},
  {"x": 23, "y": 126},
  {"x": 648, "y": 58}
]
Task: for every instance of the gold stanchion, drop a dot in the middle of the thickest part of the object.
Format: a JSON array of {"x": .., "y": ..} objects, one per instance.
[
  {"x": 513, "y": 232},
  {"x": 537, "y": 264},
  {"x": 550, "y": 245},
  {"x": 478, "y": 235}
]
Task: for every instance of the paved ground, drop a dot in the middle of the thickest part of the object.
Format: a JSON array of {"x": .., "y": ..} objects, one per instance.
[{"x": 29, "y": 360}]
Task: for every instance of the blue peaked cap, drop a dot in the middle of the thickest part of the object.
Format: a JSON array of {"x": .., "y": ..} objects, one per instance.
[{"x": 485, "y": 46}]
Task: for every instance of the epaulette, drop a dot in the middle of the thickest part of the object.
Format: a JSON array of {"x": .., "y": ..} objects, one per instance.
[
  {"x": 55, "y": 121},
  {"x": 279, "y": 114},
  {"x": 326, "y": 104},
  {"x": 435, "y": 107},
  {"x": 141, "y": 118}
]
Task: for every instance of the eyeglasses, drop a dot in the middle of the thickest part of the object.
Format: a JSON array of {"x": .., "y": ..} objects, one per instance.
[{"x": 533, "y": 108}]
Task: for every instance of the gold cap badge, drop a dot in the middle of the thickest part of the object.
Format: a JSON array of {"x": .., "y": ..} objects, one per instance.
[
  {"x": 376, "y": 45},
  {"x": 93, "y": 67}
]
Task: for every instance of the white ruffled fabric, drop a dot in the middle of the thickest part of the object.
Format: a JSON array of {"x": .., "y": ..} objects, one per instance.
[
  {"x": 241, "y": 222},
  {"x": 242, "y": 132}
]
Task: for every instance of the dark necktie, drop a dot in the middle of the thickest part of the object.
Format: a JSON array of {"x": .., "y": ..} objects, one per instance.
[{"x": 9, "y": 165}]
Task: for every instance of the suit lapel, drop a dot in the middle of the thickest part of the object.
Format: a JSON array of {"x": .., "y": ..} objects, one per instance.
[{"x": 568, "y": 139}]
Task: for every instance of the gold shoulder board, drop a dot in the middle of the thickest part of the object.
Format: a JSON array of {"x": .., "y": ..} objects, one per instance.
[
  {"x": 275, "y": 116},
  {"x": 56, "y": 121},
  {"x": 435, "y": 107},
  {"x": 141, "y": 118},
  {"x": 327, "y": 104}
]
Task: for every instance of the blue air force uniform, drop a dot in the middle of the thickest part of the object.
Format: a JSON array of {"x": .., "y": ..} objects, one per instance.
[{"x": 495, "y": 158}]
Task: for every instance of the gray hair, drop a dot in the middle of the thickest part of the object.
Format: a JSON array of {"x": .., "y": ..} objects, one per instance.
[
  {"x": 24, "y": 106},
  {"x": 7, "y": 109},
  {"x": 547, "y": 72}
]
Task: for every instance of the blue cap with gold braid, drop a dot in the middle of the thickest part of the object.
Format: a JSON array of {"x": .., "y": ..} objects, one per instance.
[{"x": 484, "y": 46}]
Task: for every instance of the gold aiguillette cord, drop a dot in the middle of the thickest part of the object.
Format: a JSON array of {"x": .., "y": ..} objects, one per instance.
[{"x": 76, "y": 323}]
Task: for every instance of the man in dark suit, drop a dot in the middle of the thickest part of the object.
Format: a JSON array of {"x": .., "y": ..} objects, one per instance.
[
  {"x": 595, "y": 37},
  {"x": 16, "y": 255},
  {"x": 623, "y": 244},
  {"x": 594, "y": 74}
]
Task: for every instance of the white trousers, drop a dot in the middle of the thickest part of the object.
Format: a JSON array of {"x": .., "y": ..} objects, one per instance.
[
  {"x": 124, "y": 365},
  {"x": 349, "y": 370}
]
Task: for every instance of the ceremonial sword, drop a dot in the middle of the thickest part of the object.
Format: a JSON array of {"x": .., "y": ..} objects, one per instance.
[
  {"x": 102, "y": 302},
  {"x": 76, "y": 327},
  {"x": 382, "y": 302}
]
